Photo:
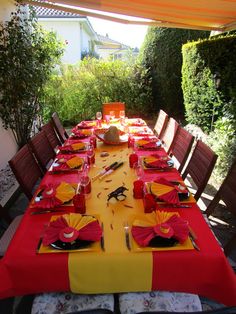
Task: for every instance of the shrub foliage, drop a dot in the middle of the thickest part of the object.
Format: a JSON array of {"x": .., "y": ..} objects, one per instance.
[
  {"x": 209, "y": 87},
  {"x": 78, "y": 91},
  {"x": 161, "y": 56},
  {"x": 27, "y": 56}
]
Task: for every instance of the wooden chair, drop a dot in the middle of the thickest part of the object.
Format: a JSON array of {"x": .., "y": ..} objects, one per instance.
[
  {"x": 182, "y": 144},
  {"x": 26, "y": 170},
  {"x": 8, "y": 234},
  {"x": 61, "y": 132},
  {"x": 200, "y": 166},
  {"x": 161, "y": 124},
  {"x": 103, "y": 303},
  {"x": 226, "y": 193},
  {"x": 169, "y": 134},
  {"x": 4, "y": 214},
  {"x": 42, "y": 149},
  {"x": 112, "y": 106},
  {"x": 51, "y": 135}
]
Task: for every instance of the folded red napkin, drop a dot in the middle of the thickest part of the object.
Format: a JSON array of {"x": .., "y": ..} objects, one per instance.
[
  {"x": 71, "y": 227},
  {"x": 86, "y": 124},
  {"x": 79, "y": 134},
  {"x": 161, "y": 224},
  {"x": 77, "y": 146},
  {"x": 169, "y": 195},
  {"x": 49, "y": 199},
  {"x": 158, "y": 163}
]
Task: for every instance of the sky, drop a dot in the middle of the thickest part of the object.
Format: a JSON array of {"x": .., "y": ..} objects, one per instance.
[{"x": 131, "y": 35}]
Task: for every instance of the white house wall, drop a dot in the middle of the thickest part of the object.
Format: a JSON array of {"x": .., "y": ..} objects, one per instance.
[
  {"x": 85, "y": 39},
  {"x": 68, "y": 32},
  {"x": 8, "y": 146}
]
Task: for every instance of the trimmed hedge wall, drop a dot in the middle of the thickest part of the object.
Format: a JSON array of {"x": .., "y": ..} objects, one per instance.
[
  {"x": 209, "y": 89},
  {"x": 203, "y": 62},
  {"x": 161, "y": 55}
]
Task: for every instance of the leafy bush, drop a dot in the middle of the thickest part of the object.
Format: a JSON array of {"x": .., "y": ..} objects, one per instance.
[
  {"x": 211, "y": 104},
  {"x": 27, "y": 56},
  {"x": 161, "y": 56},
  {"x": 203, "y": 62},
  {"x": 78, "y": 91}
]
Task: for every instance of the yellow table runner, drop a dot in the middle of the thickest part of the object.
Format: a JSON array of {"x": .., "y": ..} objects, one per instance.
[{"x": 116, "y": 269}]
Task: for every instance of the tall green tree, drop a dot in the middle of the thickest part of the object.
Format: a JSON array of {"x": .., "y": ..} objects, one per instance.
[
  {"x": 27, "y": 57},
  {"x": 161, "y": 56}
]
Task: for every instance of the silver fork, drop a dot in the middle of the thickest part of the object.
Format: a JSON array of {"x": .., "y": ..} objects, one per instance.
[{"x": 127, "y": 240}]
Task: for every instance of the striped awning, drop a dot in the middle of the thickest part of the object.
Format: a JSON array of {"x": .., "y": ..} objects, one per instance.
[{"x": 217, "y": 15}]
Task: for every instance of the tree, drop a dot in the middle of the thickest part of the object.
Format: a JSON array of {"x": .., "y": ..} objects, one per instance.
[
  {"x": 27, "y": 56},
  {"x": 161, "y": 55}
]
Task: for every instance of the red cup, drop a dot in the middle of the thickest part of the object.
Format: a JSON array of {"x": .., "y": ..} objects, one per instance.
[
  {"x": 138, "y": 189},
  {"x": 133, "y": 158},
  {"x": 79, "y": 203},
  {"x": 149, "y": 203}
]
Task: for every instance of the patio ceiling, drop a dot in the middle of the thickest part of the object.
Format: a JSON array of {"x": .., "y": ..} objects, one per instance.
[{"x": 218, "y": 15}]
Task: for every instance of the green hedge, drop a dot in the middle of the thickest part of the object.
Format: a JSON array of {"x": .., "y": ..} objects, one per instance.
[
  {"x": 209, "y": 104},
  {"x": 78, "y": 91},
  {"x": 202, "y": 61},
  {"x": 161, "y": 55}
]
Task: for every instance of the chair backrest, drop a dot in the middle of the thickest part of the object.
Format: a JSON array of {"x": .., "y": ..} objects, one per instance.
[
  {"x": 26, "y": 170},
  {"x": 4, "y": 214},
  {"x": 161, "y": 123},
  {"x": 226, "y": 193},
  {"x": 169, "y": 134},
  {"x": 112, "y": 106},
  {"x": 51, "y": 134},
  {"x": 181, "y": 147},
  {"x": 61, "y": 132},
  {"x": 42, "y": 149},
  {"x": 200, "y": 166}
]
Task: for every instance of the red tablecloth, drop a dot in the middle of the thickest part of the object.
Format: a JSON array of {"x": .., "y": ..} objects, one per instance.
[{"x": 207, "y": 273}]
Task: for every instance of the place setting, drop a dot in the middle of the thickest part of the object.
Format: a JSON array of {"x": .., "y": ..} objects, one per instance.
[
  {"x": 157, "y": 162},
  {"x": 72, "y": 232},
  {"x": 80, "y": 133},
  {"x": 51, "y": 197},
  {"x": 75, "y": 147},
  {"x": 148, "y": 144},
  {"x": 67, "y": 163},
  {"x": 158, "y": 231},
  {"x": 166, "y": 193}
]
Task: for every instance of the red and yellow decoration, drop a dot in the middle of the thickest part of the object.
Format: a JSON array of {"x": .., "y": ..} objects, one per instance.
[
  {"x": 159, "y": 223},
  {"x": 70, "y": 227},
  {"x": 76, "y": 147},
  {"x": 53, "y": 196},
  {"x": 67, "y": 163}
]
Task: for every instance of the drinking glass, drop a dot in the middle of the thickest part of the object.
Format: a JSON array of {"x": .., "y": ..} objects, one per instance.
[
  {"x": 122, "y": 114},
  {"x": 138, "y": 169},
  {"x": 112, "y": 115},
  {"x": 99, "y": 118},
  {"x": 91, "y": 155},
  {"x": 85, "y": 182},
  {"x": 99, "y": 115}
]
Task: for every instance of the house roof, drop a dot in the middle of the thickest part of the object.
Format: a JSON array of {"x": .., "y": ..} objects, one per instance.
[
  {"x": 42, "y": 12},
  {"x": 218, "y": 15},
  {"x": 107, "y": 40}
]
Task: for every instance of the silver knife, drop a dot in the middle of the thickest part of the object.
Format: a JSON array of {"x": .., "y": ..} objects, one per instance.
[
  {"x": 102, "y": 238},
  {"x": 175, "y": 206},
  {"x": 126, "y": 227},
  {"x": 47, "y": 211},
  {"x": 193, "y": 237}
]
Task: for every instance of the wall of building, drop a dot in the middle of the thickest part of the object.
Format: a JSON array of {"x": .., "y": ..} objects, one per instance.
[
  {"x": 8, "y": 146},
  {"x": 68, "y": 32}
]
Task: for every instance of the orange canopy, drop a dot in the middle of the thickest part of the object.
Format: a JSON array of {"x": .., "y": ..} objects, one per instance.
[{"x": 218, "y": 15}]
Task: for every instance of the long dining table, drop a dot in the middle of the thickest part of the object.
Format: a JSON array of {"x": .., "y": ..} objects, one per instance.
[{"x": 112, "y": 266}]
